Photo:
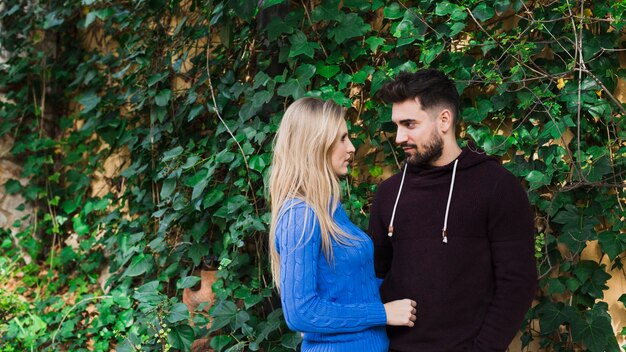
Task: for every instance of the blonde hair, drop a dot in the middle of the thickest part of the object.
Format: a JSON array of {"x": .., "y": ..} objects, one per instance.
[{"x": 301, "y": 169}]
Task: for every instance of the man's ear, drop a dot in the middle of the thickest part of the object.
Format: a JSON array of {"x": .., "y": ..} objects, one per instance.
[{"x": 445, "y": 120}]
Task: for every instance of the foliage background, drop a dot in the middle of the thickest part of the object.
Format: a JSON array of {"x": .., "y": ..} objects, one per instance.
[{"x": 144, "y": 131}]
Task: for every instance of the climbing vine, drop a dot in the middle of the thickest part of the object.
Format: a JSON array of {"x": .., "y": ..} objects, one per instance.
[{"x": 144, "y": 132}]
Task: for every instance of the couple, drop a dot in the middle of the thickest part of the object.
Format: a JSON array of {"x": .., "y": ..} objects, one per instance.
[{"x": 451, "y": 253}]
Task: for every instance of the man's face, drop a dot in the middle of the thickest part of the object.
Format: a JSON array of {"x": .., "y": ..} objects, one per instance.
[{"x": 417, "y": 132}]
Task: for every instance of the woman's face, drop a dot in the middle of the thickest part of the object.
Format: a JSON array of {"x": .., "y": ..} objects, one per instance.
[{"x": 341, "y": 152}]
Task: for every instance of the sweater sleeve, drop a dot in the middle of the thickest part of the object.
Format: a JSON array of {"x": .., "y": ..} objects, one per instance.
[
  {"x": 511, "y": 232},
  {"x": 299, "y": 243},
  {"x": 383, "y": 250}
]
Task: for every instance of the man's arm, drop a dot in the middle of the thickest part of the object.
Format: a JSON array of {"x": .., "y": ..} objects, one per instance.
[
  {"x": 383, "y": 252},
  {"x": 511, "y": 231}
]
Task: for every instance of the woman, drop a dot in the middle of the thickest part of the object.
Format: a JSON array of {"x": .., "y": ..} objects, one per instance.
[{"x": 321, "y": 262}]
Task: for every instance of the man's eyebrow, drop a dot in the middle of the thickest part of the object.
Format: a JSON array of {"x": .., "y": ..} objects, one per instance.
[{"x": 407, "y": 120}]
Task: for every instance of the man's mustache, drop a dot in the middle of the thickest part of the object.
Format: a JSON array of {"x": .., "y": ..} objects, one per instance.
[{"x": 407, "y": 145}]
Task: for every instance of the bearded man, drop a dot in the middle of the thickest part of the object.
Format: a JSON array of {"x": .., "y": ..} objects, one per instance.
[{"x": 453, "y": 230}]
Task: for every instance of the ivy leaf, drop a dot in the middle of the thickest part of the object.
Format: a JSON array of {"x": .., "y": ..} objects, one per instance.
[
  {"x": 259, "y": 162},
  {"x": 326, "y": 11},
  {"x": 186, "y": 282},
  {"x": 52, "y": 19},
  {"x": 261, "y": 97},
  {"x": 139, "y": 265},
  {"x": 223, "y": 313},
  {"x": 327, "y": 71},
  {"x": 595, "y": 331},
  {"x": 172, "y": 153},
  {"x": 593, "y": 278},
  {"x": 374, "y": 42},
  {"x": 291, "y": 340},
  {"x": 301, "y": 46},
  {"x": 393, "y": 11},
  {"x": 613, "y": 243},
  {"x": 220, "y": 341},
  {"x": 89, "y": 100},
  {"x": 350, "y": 26},
  {"x": 197, "y": 251},
  {"x": 444, "y": 8},
  {"x": 168, "y": 187},
  {"x": 181, "y": 337},
  {"x": 537, "y": 179},
  {"x": 163, "y": 97},
  {"x": 483, "y": 12},
  {"x": 270, "y": 3},
  {"x": 178, "y": 312},
  {"x": 552, "y": 315},
  {"x": 277, "y": 27}
]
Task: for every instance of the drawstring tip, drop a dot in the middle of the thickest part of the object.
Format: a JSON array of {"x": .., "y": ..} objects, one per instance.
[
  {"x": 444, "y": 233},
  {"x": 390, "y": 233}
]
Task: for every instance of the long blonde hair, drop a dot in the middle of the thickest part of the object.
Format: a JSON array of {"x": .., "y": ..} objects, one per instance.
[{"x": 301, "y": 169}]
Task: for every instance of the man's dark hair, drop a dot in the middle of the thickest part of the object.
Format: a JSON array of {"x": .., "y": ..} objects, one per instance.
[{"x": 431, "y": 88}]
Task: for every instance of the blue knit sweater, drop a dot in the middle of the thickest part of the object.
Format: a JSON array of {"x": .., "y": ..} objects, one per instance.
[{"x": 336, "y": 306}]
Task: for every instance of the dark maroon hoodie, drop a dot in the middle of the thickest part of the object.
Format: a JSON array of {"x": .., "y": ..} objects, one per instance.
[{"x": 473, "y": 291}]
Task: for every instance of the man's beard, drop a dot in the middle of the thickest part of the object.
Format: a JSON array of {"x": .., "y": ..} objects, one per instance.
[{"x": 431, "y": 152}]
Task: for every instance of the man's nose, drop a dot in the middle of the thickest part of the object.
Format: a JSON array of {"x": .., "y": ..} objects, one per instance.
[{"x": 400, "y": 136}]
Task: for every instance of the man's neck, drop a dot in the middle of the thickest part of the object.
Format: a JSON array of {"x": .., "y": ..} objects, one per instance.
[{"x": 448, "y": 155}]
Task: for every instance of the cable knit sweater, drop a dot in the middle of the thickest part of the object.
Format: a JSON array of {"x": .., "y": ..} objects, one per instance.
[{"x": 336, "y": 306}]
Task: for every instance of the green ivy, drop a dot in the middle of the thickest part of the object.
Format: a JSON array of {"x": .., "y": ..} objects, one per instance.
[{"x": 189, "y": 95}]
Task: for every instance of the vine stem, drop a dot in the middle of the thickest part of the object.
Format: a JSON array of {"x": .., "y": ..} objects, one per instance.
[
  {"x": 219, "y": 116},
  {"x": 71, "y": 309}
]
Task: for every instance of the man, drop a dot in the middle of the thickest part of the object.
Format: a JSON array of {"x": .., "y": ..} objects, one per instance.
[{"x": 452, "y": 231}]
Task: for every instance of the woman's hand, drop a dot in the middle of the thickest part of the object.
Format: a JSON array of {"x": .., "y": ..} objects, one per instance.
[{"x": 401, "y": 312}]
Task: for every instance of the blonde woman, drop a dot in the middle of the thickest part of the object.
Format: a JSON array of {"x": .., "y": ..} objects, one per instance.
[{"x": 321, "y": 262}]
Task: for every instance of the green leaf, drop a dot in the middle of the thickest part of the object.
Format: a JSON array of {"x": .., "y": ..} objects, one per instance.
[
  {"x": 89, "y": 100},
  {"x": 374, "y": 43},
  {"x": 350, "y": 26},
  {"x": 52, "y": 19},
  {"x": 197, "y": 251},
  {"x": 139, "y": 265},
  {"x": 327, "y": 11},
  {"x": 291, "y": 340},
  {"x": 537, "y": 179},
  {"x": 301, "y": 46},
  {"x": 223, "y": 313},
  {"x": 172, "y": 153},
  {"x": 186, "y": 282},
  {"x": 270, "y": 3},
  {"x": 213, "y": 197},
  {"x": 220, "y": 341},
  {"x": 178, "y": 312},
  {"x": 444, "y": 8},
  {"x": 483, "y": 12},
  {"x": 181, "y": 337},
  {"x": 327, "y": 71},
  {"x": 259, "y": 162},
  {"x": 168, "y": 187},
  {"x": 613, "y": 243},
  {"x": 261, "y": 97},
  {"x": 393, "y": 11},
  {"x": 163, "y": 97},
  {"x": 595, "y": 331},
  {"x": 552, "y": 315}
]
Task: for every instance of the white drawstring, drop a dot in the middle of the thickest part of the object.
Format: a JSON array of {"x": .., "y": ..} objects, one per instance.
[
  {"x": 444, "y": 232},
  {"x": 393, "y": 213}
]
